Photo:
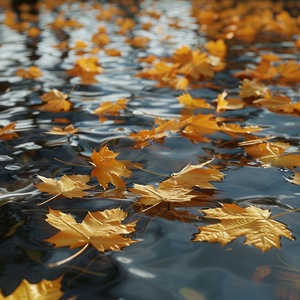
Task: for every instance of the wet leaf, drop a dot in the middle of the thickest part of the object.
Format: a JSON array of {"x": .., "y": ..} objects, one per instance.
[
  {"x": 69, "y": 186},
  {"x": 110, "y": 108},
  {"x": 63, "y": 131},
  {"x": 108, "y": 169},
  {"x": 44, "y": 290},
  {"x": 252, "y": 222},
  {"x": 55, "y": 101},
  {"x": 32, "y": 72},
  {"x": 101, "y": 229},
  {"x": 7, "y": 132},
  {"x": 192, "y": 103}
]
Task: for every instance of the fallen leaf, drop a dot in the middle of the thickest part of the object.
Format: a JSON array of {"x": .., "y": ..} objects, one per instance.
[
  {"x": 32, "y": 72},
  {"x": 69, "y": 186},
  {"x": 55, "y": 101},
  {"x": 43, "y": 290},
  {"x": 107, "y": 169},
  {"x": 63, "y": 131},
  {"x": 193, "y": 103},
  {"x": 252, "y": 222},
  {"x": 7, "y": 132},
  {"x": 101, "y": 229}
]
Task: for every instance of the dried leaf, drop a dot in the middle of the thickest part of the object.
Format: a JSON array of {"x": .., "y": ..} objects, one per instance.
[
  {"x": 110, "y": 108},
  {"x": 252, "y": 222},
  {"x": 108, "y": 169},
  {"x": 193, "y": 103},
  {"x": 44, "y": 290},
  {"x": 103, "y": 230}
]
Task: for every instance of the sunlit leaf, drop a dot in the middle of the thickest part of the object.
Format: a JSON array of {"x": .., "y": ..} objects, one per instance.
[
  {"x": 217, "y": 48},
  {"x": 101, "y": 229},
  {"x": 107, "y": 169},
  {"x": 43, "y": 290},
  {"x": 69, "y": 186},
  {"x": 252, "y": 222},
  {"x": 192, "y": 103},
  {"x": 63, "y": 131},
  {"x": 55, "y": 101}
]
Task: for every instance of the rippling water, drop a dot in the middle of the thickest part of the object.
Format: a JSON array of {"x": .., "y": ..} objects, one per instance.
[{"x": 165, "y": 264}]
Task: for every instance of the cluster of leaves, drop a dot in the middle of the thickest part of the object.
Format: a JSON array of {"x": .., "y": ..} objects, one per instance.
[{"x": 181, "y": 193}]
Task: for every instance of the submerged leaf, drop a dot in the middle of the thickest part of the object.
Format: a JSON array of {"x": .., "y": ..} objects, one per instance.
[{"x": 252, "y": 222}]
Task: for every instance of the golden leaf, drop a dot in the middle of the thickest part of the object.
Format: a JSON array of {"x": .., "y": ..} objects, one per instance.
[
  {"x": 166, "y": 192},
  {"x": 108, "y": 169},
  {"x": 30, "y": 73},
  {"x": 296, "y": 178},
  {"x": 252, "y": 222},
  {"x": 103, "y": 230},
  {"x": 252, "y": 88},
  {"x": 195, "y": 175},
  {"x": 55, "y": 101},
  {"x": 7, "y": 132},
  {"x": 110, "y": 108},
  {"x": 44, "y": 290},
  {"x": 193, "y": 103},
  {"x": 63, "y": 131},
  {"x": 69, "y": 186},
  {"x": 217, "y": 48}
]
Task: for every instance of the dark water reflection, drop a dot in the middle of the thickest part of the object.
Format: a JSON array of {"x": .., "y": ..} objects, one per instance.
[{"x": 165, "y": 260}]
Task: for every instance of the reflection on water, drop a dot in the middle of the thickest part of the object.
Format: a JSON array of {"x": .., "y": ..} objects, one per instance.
[{"x": 165, "y": 264}]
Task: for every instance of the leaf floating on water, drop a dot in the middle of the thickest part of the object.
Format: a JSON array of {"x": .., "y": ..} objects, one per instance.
[
  {"x": 55, "y": 101},
  {"x": 101, "y": 229},
  {"x": 32, "y": 72},
  {"x": 252, "y": 222},
  {"x": 69, "y": 186},
  {"x": 44, "y": 290},
  {"x": 108, "y": 169},
  {"x": 7, "y": 132},
  {"x": 191, "y": 294},
  {"x": 63, "y": 131}
]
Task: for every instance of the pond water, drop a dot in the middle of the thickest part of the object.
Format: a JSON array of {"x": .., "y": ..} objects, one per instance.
[{"x": 164, "y": 263}]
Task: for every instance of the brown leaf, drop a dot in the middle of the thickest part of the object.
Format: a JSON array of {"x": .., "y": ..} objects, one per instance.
[
  {"x": 55, "y": 101},
  {"x": 252, "y": 222},
  {"x": 7, "y": 132},
  {"x": 30, "y": 73},
  {"x": 63, "y": 131}
]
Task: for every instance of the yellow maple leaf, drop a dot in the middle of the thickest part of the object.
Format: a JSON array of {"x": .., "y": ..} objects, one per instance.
[
  {"x": 166, "y": 192},
  {"x": 252, "y": 222},
  {"x": 43, "y": 290},
  {"x": 63, "y": 131},
  {"x": 107, "y": 169},
  {"x": 32, "y": 72},
  {"x": 144, "y": 137},
  {"x": 192, "y": 103},
  {"x": 252, "y": 88},
  {"x": 273, "y": 154},
  {"x": 7, "y": 131},
  {"x": 110, "y": 108},
  {"x": 101, "y": 229},
  {"x": 217, "y": 48},
  {"x": 229, "y": 103},
  {"x": 195, "y": 176},
  {"x": 55, "y": 101},
  {"x": 69, "y": 186}
]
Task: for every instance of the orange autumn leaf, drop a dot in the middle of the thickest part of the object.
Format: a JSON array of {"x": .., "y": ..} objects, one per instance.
[
  {"x": 113, "y": 52},
  {"x": 192, "y": 103},
  {"x": 7, "y": 132},
  {"x": 32, "y": 72},
  {"x": 138, "y": 41},
  {"x": 107, "y": 169},
  {"x": 295, "y": 178},
  {"x": 252, "y": 88},
  {"x": 101, "y": 229},
  {"x": 43, "y": 290},
  {"x": 252, "y": 222},
  {"x": 273, "y": 154},
  {"x": 289, "y": 70},
  {"x": 279, "y": 104},
  {"x": 166, "y": 192},
  {"x": 236, "y": 128},
  {"x": 202, "y": 124},
  {"x": 55, "y": 101},
  {"x": 144, "y": 137},
  {"x": 217, "y": 48},
  {"x": 177, "y": 83},
  {"x": 63, "y": 131},
  {"x": 110, "y": 108},
  {"x": 228, "y": 104},
  {"x": 69, "y": 186},
  {"x": 195, "y": 176}
]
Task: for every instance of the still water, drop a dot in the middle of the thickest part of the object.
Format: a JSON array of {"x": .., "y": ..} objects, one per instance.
[{"x": 164, "y": 263}]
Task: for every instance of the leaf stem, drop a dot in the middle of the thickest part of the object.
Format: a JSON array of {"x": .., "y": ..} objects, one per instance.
[
  {"x": 285, "y": 213},
  {"x": 68, "y": 258},
  {"x": 52, "y": 198}
]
